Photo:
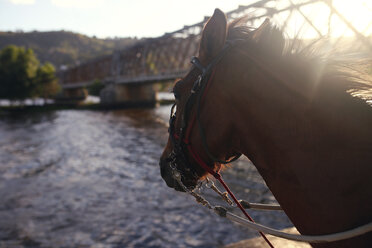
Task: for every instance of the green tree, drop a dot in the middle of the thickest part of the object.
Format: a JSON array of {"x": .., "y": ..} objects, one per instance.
[
  {"x": 46, "y": 81},
  {"x": 21, "y": 75},
  {"x": 18, "y": 68}
]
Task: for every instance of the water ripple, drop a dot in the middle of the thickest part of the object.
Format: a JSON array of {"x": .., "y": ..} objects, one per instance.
[{"x": 91, "y": 179}]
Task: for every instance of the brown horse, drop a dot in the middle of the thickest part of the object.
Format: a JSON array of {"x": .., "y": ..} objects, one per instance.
[{"x": 292, "y": 115}]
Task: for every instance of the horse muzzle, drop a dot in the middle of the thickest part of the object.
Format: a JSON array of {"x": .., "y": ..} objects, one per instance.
[{"x": 167, "y": 174}]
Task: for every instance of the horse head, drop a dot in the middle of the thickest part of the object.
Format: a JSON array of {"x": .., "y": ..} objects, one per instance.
[{"x": 195, "y": 135}]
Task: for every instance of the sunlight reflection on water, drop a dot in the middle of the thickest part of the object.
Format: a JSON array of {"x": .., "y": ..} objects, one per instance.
[{"x": 91, "y": 179}]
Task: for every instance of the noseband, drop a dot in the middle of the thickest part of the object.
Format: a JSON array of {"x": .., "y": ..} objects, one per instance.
[{"x": 181, "y": 141}]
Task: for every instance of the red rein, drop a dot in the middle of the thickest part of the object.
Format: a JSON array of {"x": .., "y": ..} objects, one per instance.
[{"x": 210, "y": 170}]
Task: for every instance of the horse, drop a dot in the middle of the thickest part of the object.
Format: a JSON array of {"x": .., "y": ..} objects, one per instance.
[{"x": 295, "y": 115}]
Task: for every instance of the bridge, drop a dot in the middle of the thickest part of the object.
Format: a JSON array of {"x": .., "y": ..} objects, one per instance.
[{"x": 129, "y": 75}]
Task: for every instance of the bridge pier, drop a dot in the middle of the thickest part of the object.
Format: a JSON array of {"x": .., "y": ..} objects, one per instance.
[
  {"x": 128, "y": 95},
  {"x": 72, "y": 96}
]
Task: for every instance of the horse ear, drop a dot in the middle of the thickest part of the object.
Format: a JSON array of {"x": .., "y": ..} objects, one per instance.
[
  {"x": 213, "y": 36},
  {"x": 262, "y": 30}
]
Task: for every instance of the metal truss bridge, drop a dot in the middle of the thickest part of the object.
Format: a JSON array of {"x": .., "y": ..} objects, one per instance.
[{"x": 167, "y": 57}]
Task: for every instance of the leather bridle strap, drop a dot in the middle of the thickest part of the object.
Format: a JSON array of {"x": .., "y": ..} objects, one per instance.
[
  {"x": 184, "y": 138},
  {"x": 204, "y": 165},
  {"x": 207, "y": 72}
]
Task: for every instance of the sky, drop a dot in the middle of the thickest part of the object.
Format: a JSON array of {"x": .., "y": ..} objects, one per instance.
[
  {"x": 107, "y": 18},
  {"x": 143, "y": 18}
]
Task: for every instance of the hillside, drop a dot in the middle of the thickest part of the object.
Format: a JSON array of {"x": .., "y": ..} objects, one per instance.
[{"x": 62, "y": 47}]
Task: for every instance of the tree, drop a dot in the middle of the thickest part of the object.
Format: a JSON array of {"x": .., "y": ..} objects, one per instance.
[
  {"x": 46, "y": 81},
  {"x": 18, "y": 69},
  {"x": 21, "y": 75}
]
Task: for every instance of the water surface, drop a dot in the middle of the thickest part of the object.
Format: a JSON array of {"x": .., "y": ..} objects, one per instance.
[{"x": 91, "y": 179}]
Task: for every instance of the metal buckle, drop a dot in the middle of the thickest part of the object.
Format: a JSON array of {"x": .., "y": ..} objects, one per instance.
[
  {"x": 195, "y": 61},
  {"x": 197, "y": 84}
]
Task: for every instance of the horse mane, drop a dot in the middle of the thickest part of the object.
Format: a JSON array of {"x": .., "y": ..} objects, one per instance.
[{"x": 303, "y": 62}]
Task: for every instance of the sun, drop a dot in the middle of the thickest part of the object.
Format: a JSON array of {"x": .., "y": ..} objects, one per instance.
[
  {"x": 357, "y": 12},
  {"x": 335, "y": 18}
]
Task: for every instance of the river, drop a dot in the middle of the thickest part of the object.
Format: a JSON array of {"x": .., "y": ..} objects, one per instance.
[{"x": 79, "y": 178}]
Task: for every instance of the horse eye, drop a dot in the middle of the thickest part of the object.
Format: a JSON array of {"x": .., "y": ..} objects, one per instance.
[
  {"x": 175, "y": 92},
  {"x": 176, "y": 95}
]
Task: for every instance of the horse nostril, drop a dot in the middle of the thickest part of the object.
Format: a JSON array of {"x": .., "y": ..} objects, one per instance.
[
  {"x": 163, "y": 164},
  {"x": 163, "y": 171}
]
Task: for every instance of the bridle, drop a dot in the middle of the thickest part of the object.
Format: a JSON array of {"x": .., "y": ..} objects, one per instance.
[{"x": 181, "y": 140}]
